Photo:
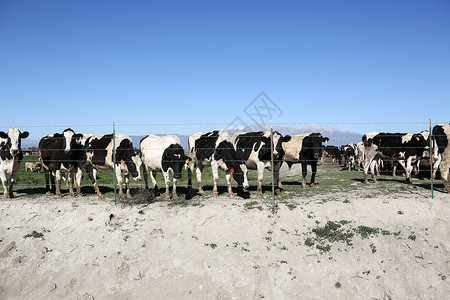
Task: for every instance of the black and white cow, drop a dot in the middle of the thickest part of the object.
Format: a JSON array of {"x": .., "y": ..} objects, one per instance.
[
  {"x": 99, "y": 151},
  {"x": 254, "y": 149},
  {"x": 441, "y": 145},
  {"x": 10, "y": 157},
  {"x": 349, "y": 154},
  {"x": 62, "y": 153},
  {"x": 214, "y": 149},
  {"x": 402, "y": 147},
  {"x": 306, "y": 150},
  {"x": 163, "y": 154}
]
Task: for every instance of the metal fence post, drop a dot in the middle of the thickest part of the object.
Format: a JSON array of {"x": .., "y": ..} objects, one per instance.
[
  {"x": 271, "y": 158},
  {"x": 114, "y": 163},
  {"x": 431, "y": 160}
]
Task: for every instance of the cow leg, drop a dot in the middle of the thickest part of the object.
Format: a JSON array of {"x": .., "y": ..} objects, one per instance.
[
  {"x": 190, "y": 191},
  {"x": 260, "y": 168},
  {"x": 313, "y": 174},
  {"x": 70, "y": 179},
  {"x": 408, "y": 169},
  {"x": 154, "y": 183},
  {"x": 372, "y": 170},
  {"x": 215, "y": 173},
  {"x": 47, "y": 181},
  {"x": 119, "y": 181},
  {"x": 245, "y": 185},
  {"x": 199, "y": 171},
  {"x": 366, "y": 170},
  {"x": 304, "y": 172},
  {"x": 276, "y": 177},
  {"x": 5, "y": 184},
  {"x": 167, "y": 183},
  {"x": 58, "y": 183},
  {"x": 127, "y": 185},
  {"x": 229, "y": 189},
  {"x": 93, "y": 176},
  {"x": 174, "y": 188},
  {"x": 145, "y": 172},
  {"x": 444, "y": 168},
  {"x": 78, "y": 176}
]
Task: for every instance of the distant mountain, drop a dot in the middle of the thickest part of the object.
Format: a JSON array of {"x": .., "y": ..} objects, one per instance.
[{"x": 337, "y": 136}]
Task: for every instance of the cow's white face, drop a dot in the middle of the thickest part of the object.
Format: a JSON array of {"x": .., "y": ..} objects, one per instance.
[
  {"x": 15, "y": 137},
  {"x": 68, "y": 134}
]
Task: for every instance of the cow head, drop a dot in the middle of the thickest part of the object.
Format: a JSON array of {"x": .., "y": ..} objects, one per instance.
[
  {"x": 226, "y": 152},
  {"x": 313, "y": 144},
  {"x": 129, "y": 158},
  {"x": 14, "y": 137},
  {"x": 174, "y": 157},
  {"x": 72, "y": 140}
]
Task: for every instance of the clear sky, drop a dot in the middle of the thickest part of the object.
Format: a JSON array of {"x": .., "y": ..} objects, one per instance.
[{"x": 73, "y": 63}]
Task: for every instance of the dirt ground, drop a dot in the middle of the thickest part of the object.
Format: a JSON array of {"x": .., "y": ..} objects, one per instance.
[{"x": 227, "y": 248}]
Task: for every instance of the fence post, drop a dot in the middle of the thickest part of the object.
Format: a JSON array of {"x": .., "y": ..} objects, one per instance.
[
  {"x": 431, "y": 160},
  {"x": 114, "y": 162},
  {"x": 271, "y": 158}
]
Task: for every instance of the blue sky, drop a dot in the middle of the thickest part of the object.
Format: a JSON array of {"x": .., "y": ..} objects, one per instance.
[{"x": 203, "y": 62}]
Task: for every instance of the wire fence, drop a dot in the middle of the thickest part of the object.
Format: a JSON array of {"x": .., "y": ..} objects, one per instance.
[{"x": 339, "y": 138}]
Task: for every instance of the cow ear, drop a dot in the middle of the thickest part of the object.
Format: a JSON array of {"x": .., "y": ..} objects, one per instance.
[
  {"x": 24, "y": 135},
  {"x": 286, "y": 138},
  {"x": 3, "y": 135},
  {"x": 325, "y": 140}
]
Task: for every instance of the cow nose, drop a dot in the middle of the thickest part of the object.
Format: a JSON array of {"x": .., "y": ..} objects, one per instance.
[{"x": 14, "y": 151}]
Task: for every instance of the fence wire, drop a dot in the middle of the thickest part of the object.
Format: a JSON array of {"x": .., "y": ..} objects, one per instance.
[{"x": 144, "y": 129}]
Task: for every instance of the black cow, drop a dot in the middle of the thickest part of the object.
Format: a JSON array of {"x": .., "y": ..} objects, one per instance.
[
  {"x": 334, "y": 153},
  {"x": 254, "y": 150},
  {"x": 99, "y": 151},
  {"x": 62, "y": 153},
  {"x": 441, "y": 145},
  {"x": 10, "y": 157},
  {"x": 305, "y": 149},
  {"x": 163, "y": 154},
  {"x": 216, "y": 150},
  {"x": 405, "y": 148}
]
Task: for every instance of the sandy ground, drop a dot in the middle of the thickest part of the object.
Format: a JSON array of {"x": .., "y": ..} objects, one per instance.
[{"x": 224, "y": 249}]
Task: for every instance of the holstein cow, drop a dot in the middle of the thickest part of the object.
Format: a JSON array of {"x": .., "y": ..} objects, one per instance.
[
  {"x": 62, "y": 152},
  {"x": 214, "y": 149},
  {"x": 304, "y": 149},
  {"x": 254, "y": 149},
  {"x": 163, "y": 154},
  {"x": 402, "y": 147},
  {"x": 99, "y": 151},
  {"x": 349, "y": 155},
  {"x": 10, "y": 157},
  {"x": 441, "y": 145}
]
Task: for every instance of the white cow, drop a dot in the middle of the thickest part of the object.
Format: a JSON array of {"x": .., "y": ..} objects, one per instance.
[
  {"x": 163, "y": 154},
  {"x": 10, "y": 157}
]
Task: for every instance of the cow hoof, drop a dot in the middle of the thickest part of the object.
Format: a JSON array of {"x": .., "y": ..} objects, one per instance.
[
  {"x": 167, "y": 197},
  {"x": 231, "y": 195},
  {"x": 201, "y": 191},
  {"x": 366, "y": 182},
  {"x": 313, "y": 185},
  {"x": 215, "y": 194},
  {"x": 175, "y": 196},
  {"x": 48, "y": 193}
]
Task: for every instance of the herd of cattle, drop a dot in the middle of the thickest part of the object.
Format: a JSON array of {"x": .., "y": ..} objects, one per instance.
[{"x": 68, "y": 154}]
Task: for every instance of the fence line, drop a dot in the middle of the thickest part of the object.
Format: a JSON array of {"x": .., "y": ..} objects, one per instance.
[{"x": 262, "y": 126}]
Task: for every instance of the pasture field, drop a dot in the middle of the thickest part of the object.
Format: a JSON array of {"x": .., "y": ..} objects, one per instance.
[
  {"x": 329, "y": 179},
  {"x": 341, "y": 240}
]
